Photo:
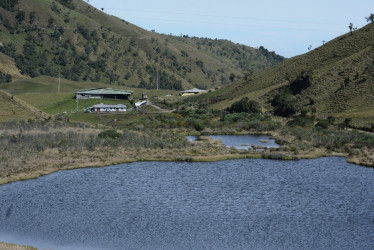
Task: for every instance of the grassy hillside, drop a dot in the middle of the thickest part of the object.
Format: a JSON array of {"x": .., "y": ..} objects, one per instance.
[
  {"x": 44, "y": 37},
  {"x": 13, "y": 108},
  {"x": 340, "y": 79}
]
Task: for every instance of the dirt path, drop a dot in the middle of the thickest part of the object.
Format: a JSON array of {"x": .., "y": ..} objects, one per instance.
[{"x": 159, "y": 108}]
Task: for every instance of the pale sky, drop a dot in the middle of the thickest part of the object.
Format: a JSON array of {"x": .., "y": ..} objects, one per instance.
[{"x": 287, "y": 27}]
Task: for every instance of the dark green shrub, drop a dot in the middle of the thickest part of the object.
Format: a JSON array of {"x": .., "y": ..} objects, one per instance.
[
  {"x": 67, "y": 3},
  {"x": 303, "y": 81},
  {"x": 245, "y": 105},
  {"x": 323, "y": 124},
  {"x": 235, "y": 117},
  {"x": 331, "y": 120},
  {"x": 301, "y": 122},
  {"x": 285, "y": 104},
  {"x": 9, "y": 4},
  {"x": 110, "y": 134},
  {"x": 197, "y": 124},
  {"x": 20, "y": 16}
]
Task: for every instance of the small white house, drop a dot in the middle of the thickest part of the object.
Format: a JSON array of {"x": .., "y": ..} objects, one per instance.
[
  {"x": 108, "y": 108},
  {"x": 193, "y": 91},
  {"x": 139, "y": 104}
]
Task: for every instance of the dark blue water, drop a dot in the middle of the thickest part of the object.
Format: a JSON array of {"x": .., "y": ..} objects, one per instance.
[
  {"x": 242, "y": 141},
  {"x": 239, "y": 204}
]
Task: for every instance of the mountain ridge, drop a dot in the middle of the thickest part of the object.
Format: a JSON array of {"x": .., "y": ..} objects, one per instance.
[
  {"x": 341, "y": 77},
  {"x": 44, "y": 36}
]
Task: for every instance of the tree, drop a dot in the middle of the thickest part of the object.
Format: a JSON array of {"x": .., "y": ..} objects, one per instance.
[
  {"x": 347, "y": 122},
  {"x": 232, "y": 77},
  {"x": 351, "y": 28},
  {"x": 370, "y": 18},
  {"x": 50, "y": 22},
  {"x": 32, "y": 17},
  {"x": 9, "y": 4},
  {"x": 4, "y": 78},
  {"x": 245, "y": 105},
  {"x": 285, "y": 104},
  {"x": 310, "y": 47},
  {"x": 20, "y": 16},
  {"x": 67, "y": 3},
  {"x": 302, "y": 82}
]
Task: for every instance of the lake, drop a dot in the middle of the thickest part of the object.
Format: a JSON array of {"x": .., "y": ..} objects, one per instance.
[
  {"x": 242, "y": 141},
  {"x": 323, "y": 203}
]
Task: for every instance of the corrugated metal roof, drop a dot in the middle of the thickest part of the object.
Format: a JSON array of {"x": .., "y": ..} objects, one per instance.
[
  {"x": 138, "y": 104},
  {"x": 107, "y": 91},
  {"x": 194, "y": 90},
  {"x": 110, "y": 106}
]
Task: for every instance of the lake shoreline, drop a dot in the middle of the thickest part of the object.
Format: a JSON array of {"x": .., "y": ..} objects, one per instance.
[
  {"x": 85, "y": 152},
  {"x": 14, "y": 246},
  {"x": 167, "y": 157},
  {"x": 227, "y": 183},
  {"x": 207, "y": 150}
]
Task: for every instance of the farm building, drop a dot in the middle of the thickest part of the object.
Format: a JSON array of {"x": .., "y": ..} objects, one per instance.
[
  {"x": 103, "y": 93},
  {"x": 108, "y": 108},
  {"x": 139, "y": 104},
  {"x": 193, "y": 91}
]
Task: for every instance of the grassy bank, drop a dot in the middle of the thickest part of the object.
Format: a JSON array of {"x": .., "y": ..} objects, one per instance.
[{"x": 32, "y": 149}]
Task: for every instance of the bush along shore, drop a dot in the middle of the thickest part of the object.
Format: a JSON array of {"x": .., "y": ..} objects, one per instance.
[
  {"x": 34, "y": 148},
  {"x": 31, "y": 149}
]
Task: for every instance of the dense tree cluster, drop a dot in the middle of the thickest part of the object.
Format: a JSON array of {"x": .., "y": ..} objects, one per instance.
[
  {"x": 67, "y": 3},
  {"x": 303, "y": 81},
  {"x": 8, "y": 4},
  {"x": 285, "y": 104},
  {"x": 160, "y": 79},
  {"x": 245, "y": 105}
]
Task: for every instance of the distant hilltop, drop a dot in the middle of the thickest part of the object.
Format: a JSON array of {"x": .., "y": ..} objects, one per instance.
[{"x": 75, "y": 40}]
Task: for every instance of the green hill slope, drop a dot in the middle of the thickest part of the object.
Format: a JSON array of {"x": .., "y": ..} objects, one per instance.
[
  {"x": 340, "y": 79},
  {"x": 45, "y": 37},
  {"x": 13, "y": 108}
]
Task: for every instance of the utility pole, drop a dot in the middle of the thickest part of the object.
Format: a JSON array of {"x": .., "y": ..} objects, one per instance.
[
  {"x": 77, "y": 103},
  {"x": 157, "y": 80},
  {"x": 59, "y": 80},
  {"x": 59, "y": 69}
]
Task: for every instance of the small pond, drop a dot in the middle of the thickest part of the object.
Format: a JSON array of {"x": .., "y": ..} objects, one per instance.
[{"x": 242, "y": 141}]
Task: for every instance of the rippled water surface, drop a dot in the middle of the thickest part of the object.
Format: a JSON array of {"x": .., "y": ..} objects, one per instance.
[
  {"x": 238, "y": 204},
  {"x": 242, "y": 141}
]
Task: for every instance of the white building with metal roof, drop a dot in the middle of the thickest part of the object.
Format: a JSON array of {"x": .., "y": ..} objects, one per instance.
[
  {"x": 103, "y": 93},
  {"x": 108, "y": 108},
  {"x": 193, "y": 91}
]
